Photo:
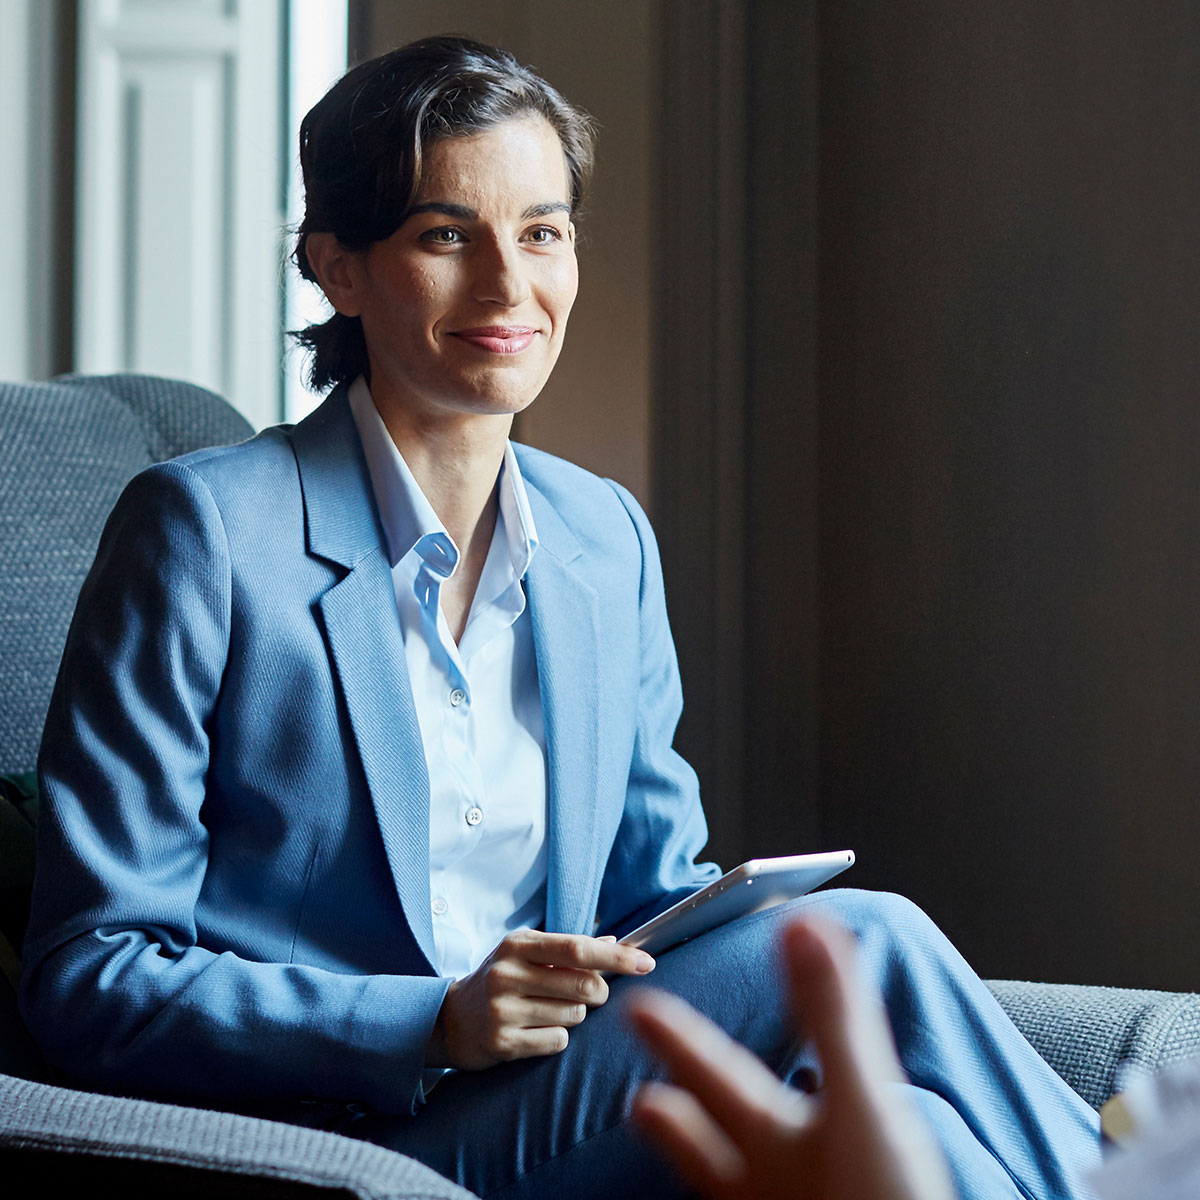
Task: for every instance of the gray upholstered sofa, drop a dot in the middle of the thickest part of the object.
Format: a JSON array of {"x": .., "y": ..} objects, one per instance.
[{"x": 66, "y": 449}]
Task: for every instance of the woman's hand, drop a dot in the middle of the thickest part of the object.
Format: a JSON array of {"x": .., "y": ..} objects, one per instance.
[
  {"x": 735, "y": 1131},
  {"x": 525, "y": 996}
]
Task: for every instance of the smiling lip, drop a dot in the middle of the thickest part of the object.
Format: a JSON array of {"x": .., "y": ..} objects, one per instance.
[{"x": 498, "y": 339}]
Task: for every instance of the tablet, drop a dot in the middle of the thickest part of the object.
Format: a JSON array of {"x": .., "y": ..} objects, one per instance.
[{"x": 755, "y": 885}]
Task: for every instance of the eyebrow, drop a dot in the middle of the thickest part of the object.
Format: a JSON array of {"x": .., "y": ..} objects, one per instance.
[{"x": 461, "y": 212}]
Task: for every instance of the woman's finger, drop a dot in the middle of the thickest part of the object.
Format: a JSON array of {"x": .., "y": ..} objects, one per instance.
[
  {"x": 562, "y": 983},
  {"x": 694, "y": 1143},
  {"x": 535, "y": 1012},
  {"x": 517, "y": 1043},
  {"x": 578, "y": 951}
]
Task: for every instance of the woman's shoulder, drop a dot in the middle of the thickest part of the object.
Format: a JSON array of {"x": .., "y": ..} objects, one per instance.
[
  {"x": 601, "y": 515},
  {"x": 572, "y": 487},
  {"x": 244, "y": 472},
  {"x": 249, "y": 488},
  {"x": 268, "y": 451}
]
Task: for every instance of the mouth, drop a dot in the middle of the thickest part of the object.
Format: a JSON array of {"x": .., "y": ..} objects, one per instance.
[{"x": 498, "y": 339}]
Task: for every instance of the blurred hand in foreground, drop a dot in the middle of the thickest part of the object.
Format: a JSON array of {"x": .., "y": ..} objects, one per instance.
[{"x": 734, "y": 1131}]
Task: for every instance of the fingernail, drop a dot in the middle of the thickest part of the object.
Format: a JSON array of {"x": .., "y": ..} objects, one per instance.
[
  {"x": 644, "y": 962},
  {"x": 608, "y": 937}
]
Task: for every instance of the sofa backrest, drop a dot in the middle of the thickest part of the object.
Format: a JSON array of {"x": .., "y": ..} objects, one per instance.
[{"x": 67, "y": 448}]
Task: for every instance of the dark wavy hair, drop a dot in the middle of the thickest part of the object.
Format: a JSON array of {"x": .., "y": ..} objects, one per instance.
[{"x": 363, "y": 143}]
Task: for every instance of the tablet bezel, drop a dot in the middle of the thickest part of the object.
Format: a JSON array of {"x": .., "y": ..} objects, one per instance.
[{"x": 755, "y": 885}]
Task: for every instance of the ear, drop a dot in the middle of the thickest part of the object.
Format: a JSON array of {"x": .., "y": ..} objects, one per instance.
[{"x": 338, "y": 271}]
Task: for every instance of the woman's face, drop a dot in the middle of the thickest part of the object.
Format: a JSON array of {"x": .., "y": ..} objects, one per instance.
[{"x": 464, "y": 307}]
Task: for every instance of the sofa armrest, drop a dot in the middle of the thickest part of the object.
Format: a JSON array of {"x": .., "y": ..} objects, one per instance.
[
  {"x": 195, "y": 1151},
  {"x": 1096, "y": 1038}
]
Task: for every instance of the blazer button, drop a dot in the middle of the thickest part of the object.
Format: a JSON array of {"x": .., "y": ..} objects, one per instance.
[{"x": 474, "y": 815}]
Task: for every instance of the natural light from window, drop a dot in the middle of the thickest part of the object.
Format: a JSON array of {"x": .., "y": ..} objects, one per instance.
[{"x": 317, "y": 55}]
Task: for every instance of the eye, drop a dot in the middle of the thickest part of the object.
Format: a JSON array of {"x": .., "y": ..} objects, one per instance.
[
  {"x": 543, "y": 235},
  {"x": 444, "y": 235}
]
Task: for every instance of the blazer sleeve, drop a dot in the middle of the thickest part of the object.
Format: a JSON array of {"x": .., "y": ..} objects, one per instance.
[
  {"x": 662, "y": 828},
  {"x": 119, "y": 989}
]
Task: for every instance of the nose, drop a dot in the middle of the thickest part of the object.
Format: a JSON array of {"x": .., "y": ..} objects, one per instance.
[{"x": 500, "y": 275}]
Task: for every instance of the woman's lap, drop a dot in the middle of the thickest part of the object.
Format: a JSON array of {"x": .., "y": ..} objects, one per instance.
[
  {"x": 533, "y": 1120},
  {"x": 550, "y": 1126}
]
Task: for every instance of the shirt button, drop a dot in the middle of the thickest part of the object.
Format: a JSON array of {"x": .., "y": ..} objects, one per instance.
[
  {"x": 439, "y": 907},
  {"x": 457, "y": 697},
  {"x": 474, "y": 815}
]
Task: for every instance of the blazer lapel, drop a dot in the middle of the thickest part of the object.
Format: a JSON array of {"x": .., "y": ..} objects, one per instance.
[
  {"x": 565, "y": 611},
  {"x": 367, "y": 648}
]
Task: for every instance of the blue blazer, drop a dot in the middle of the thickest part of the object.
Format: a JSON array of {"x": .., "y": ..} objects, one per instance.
[{"x": 232, "y": 897}]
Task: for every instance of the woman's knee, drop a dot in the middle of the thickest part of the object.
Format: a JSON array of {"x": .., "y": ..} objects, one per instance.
[
  {"x": 855, "y": 903},
  {"x": 869, "y": 914},
  {"x": 862, "y": 912},
  {"x": 891, "y": 932}
]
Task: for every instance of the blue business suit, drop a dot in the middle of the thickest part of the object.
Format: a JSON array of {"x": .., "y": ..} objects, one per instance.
[
  {"x": 233, "y": 887},
  {"x": 233, "y": 895}
]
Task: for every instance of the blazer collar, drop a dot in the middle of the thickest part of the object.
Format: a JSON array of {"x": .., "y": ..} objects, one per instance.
[
  {"x": 342, "y": 523},
  {"x": 553, "y": 533}
]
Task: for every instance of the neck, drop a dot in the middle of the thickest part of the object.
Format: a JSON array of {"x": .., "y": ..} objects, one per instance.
[{"x": 456, "y": 461}]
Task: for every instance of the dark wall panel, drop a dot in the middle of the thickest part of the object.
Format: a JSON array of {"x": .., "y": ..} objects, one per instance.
[
  {"x": 1009, "y": 456},
  {"x": 735, "y": 462},
  {"x": 782, "y": 617}
]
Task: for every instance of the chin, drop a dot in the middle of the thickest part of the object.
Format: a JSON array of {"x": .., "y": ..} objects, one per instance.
[{"x": 503, "y": 401}]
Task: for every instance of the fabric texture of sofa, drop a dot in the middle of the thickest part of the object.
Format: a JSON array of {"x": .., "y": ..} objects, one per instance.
[{"x": 67, "y": 447}]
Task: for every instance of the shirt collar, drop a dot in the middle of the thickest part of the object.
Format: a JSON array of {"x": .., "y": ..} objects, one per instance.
[{"x": 407, "y": 515}]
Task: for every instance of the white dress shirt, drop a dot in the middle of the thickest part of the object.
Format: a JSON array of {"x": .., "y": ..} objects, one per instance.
[{"x": 478, "y": 705}]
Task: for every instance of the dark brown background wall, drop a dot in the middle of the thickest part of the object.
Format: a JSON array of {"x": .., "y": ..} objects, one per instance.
[
  {"x": 914, "y": 292},
  {"x": 1010, "y": 474}
]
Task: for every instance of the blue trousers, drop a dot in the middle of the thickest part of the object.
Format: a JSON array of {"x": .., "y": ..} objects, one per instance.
[{"x": 559, "y": 1126}]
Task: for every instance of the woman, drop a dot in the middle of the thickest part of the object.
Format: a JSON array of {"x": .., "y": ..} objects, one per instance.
[{"x": 360, "y": 753}]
